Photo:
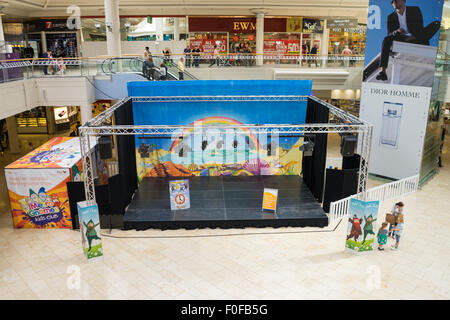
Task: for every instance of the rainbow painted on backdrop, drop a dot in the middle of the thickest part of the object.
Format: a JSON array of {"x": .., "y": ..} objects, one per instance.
[{"x": 215, "y": 121}]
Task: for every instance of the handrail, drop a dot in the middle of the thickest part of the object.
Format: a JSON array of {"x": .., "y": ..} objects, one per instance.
[
  {"x": 202, "y": 55},
  {"x": 389, "y": 191}
]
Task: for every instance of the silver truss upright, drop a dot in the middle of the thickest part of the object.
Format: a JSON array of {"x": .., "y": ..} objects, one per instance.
[{"x": 102, "y": 125}]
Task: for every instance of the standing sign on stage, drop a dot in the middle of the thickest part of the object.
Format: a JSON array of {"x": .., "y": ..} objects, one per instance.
[
  {"x": 270, "y": 199},
  {"x": 361, "y": 225},
  {"x": 179, "y": 195},
  {"x": 90, "y": 230}
]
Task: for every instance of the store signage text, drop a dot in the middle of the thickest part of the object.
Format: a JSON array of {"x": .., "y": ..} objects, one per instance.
[
  {"x": 312, "y": 26},
  {"x": 243, "y": 26}
]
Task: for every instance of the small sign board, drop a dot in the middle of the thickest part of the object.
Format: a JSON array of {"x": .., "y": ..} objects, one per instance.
[
  {"x": 90, "y": 230},
  {"x": 270, "y": 199},
  {"x": 179, "y": 194}
]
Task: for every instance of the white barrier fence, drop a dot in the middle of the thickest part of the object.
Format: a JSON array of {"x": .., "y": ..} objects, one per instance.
[{"x": 389, "y": 191}]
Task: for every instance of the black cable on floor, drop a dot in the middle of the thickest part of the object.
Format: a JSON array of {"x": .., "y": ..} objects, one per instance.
[{"x": 220, "y": 235}]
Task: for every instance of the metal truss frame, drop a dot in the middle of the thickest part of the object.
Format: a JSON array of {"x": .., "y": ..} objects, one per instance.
[{"x": 102, "y": 125}]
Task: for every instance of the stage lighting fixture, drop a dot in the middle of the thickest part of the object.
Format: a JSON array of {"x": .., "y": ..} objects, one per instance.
[
  {"x": 144, "y": 150},
  {"x": 219, "y": 144},
  {"x": 308, "y": 145},
  {"x": 204, "y": 144},
  {"x": 235, "y": 143}
]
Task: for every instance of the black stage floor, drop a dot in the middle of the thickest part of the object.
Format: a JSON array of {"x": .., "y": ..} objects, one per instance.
[{"x": 225, "y": 202}]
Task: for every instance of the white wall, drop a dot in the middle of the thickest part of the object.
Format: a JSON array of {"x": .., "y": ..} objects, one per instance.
[
  {"x": 98, "y": 48},
  {"x": 19, "y": 96}
]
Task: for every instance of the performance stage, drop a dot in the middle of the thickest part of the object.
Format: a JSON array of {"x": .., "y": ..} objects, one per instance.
[{"x": 224, "y": 202}]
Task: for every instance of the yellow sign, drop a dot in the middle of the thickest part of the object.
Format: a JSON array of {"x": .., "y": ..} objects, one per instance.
[
  {"x": 294, "y": 24},
  {"x": 270, "y": 199}
]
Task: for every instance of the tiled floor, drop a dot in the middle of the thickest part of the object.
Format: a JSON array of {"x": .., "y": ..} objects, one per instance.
[{"x": 290, "y": 263}]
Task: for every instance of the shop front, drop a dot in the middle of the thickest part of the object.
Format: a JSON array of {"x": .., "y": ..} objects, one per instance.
[
  {"x": 54, "y": 35},
  {"x": 283, "y": 36},
  {"x": 47, "y": 120},
  {"x": 346, "y": 32}
]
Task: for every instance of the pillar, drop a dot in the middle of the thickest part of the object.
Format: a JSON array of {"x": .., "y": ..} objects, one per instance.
[
  {"x": 2, "y": 37},
  {"x": 43, "y": 42},
  {"x": 259, "y": 38},
  {"x": 86, "y": 112},
  {"x": 176, "y": 29},
  {"x": 159, "y": 29},
  {"x": 323, "y": 50},
  {"x": 112, "y": 28},
  {"x": 51, "y": 125},
  {"x": 13, "y": 137}
]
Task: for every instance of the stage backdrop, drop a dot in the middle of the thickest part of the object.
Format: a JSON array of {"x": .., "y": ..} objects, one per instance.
[
  {"x": 226, "y": 153},
  {"x": 398, "y": 107}
]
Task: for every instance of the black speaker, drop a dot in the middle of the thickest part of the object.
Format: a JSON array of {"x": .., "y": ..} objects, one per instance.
[
  {"x": 105, "y": 147},
  {"x": 339, "y": 184},
  {"x": 348, "y": 145}
]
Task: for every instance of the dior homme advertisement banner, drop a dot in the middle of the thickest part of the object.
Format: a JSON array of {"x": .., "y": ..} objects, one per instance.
[{"x": 401, "y": 49}]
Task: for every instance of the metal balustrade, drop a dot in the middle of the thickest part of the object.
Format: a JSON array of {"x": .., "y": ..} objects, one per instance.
[
  {"x": 389, "y": 191},
  {"x": 19, "y": 69}
]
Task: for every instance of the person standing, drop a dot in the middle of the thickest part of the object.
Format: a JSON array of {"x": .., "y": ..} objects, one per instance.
[
  {"x": 346, "y": 53},
  {"x": 181, "y": 69},
  {"x": 196, "y": 56},
  {"x": 147, "y": 57},
  {"x": 398, "y": 231},
  {"x": 163, "y": 71},
  {"x": 313, "y": 54},
  {"x": 47, "y": 54},
  {"x": 215, "y": 57},
  {"x": 396, "y": 211},
  {"x": 187, "y": 54}
]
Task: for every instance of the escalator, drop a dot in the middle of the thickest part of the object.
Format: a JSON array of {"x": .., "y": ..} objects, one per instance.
[{"x": 135, "y": 65}]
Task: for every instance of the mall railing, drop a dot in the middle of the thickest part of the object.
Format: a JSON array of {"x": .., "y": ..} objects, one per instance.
[
  {"x": 394, "y": 190},
  {"x": 17, "y": 69}
]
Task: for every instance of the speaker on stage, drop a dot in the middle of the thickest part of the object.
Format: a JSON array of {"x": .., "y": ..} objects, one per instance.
[
  {"x": 105, "y": 147},
  {"x": 339, "y": 184},
  {"x": 348, "y": 145}
]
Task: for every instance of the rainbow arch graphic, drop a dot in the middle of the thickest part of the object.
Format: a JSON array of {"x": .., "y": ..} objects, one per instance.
[{"x": 216, "y": 121}]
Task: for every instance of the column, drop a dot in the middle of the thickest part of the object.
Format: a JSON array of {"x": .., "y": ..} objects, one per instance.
[
  {"x": 2, "y": 37},
  {"x": 43, "y": 42},
  {"x": 159, "y": 29},
  {"x": 112, "y": 28},
  {"x": 176, "y": 29},
  {"x": 259, "y": 38},
  {"x": 51, "y": 125},
  {"x": 11, "y": 125},
  {"x": 323, "y": 51},
  {"x": 86, "y": 112}
]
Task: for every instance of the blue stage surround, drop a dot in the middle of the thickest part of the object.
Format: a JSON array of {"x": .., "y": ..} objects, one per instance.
[{"x": 216, "y": 112}]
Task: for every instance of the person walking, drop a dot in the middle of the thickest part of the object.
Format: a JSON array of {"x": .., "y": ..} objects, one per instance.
[
  {"x": 187, "y": 53},
  {"x": 215, "y": 57},
  {"x": 181, "y": 69}
]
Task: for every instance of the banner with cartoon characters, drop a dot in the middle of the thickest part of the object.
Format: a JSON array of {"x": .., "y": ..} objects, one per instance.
[
  {"x": 361, "y": 225},
  {"x": 90, "y": 230},
  {"x": 37, "y": 184}
]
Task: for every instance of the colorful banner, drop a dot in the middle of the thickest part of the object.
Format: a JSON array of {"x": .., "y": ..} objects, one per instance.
[
  {"x": 200, "y": 151},
  {"x": 401, "y": 48},
  {"x": 179, "y": 195},
  {"x": 39, "y": 198},
  {"x": 90, "y": 230},
  {"x": 281, "y": 47},
  {"x": 361, "y": 229},
  {"x": 207, "y": 45}
]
